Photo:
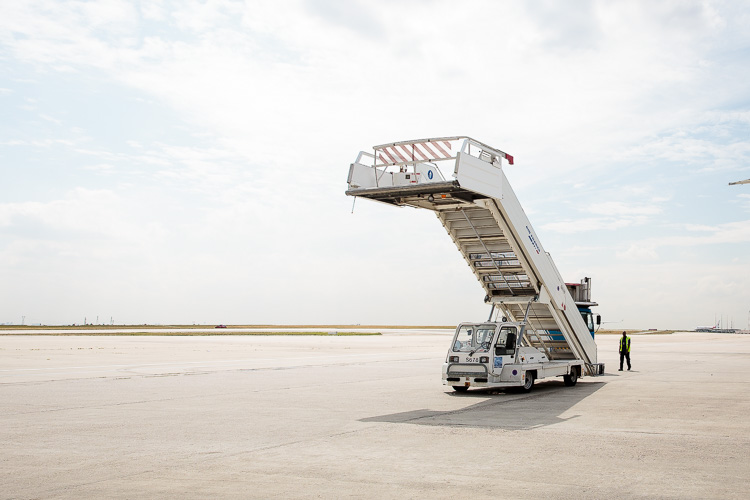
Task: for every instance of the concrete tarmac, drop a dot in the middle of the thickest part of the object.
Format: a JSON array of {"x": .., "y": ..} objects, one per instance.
[{"x": 364, "y": 417}]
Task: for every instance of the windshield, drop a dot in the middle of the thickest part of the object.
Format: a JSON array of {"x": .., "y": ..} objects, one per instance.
[{"x": 473, "y": 338}]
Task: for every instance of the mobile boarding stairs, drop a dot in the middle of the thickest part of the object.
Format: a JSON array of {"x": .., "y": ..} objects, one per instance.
[{"x": 483, "y": 217}]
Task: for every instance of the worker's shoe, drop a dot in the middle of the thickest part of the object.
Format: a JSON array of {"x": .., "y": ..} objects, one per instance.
[{"x": 619, "y": 370}]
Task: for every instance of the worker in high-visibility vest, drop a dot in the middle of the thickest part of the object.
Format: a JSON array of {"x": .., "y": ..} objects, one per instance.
[{"x": 624, "y": 350}]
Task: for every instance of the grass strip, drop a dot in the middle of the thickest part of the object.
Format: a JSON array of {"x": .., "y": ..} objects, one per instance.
[
  {"x": 640, "y": 332},
  {"x": 194, "y": 334},
  {"x": 228, "y": 327}
]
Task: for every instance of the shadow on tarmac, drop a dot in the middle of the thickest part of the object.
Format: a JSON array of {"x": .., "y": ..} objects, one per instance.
[{"x": 502, "y": 410}]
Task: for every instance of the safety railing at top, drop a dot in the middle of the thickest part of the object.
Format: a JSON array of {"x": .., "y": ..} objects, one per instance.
[{"x": 404, "y": 156}]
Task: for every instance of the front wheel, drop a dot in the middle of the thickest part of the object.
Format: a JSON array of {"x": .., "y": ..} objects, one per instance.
[
  {"x": 528, "y": 382},
  {"x": 570, "y": 380},
  {"x": 460, "y": 388}
]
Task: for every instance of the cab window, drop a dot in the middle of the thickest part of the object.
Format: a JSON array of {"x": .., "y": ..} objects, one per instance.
[
  {"x": 589, "y": 321},
  {"x": 506, "y": 341}
]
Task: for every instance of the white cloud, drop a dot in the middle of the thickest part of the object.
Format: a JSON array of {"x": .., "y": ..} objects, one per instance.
[
  {"x": 612, "y": 215},
  {"x": 618, "y": 208},
  {"x": 727, "y": 233},
  {"x": 699, "y": 228},
  {"x": 153, "y": 10},
  {"x": 81, "y": 211},
  {"x": 118, "y": 16},
  {"x": 743, "y": 200},
  {"x": 51, "y": 119},
  {"x": 303, "y": 58},
  {"x": 638, "y": 252},
  {"x": 100, "y": 167},
  {"x": 202, "y": 16},
  {"x": 591, "y": 224},
  {"x": 611, "y": 109}
]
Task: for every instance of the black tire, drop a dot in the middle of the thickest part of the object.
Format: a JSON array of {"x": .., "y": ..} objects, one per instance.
[
  {"x": 460, "y": 388},
  {"x": 528, "y": 382},
  {"x": 570, "y": 380}
]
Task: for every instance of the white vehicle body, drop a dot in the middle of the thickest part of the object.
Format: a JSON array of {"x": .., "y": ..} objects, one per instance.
[{"x": 487, "y": 355}]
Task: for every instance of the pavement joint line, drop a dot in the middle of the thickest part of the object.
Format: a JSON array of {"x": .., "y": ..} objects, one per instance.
[
  {"x": 103, "y": 406},
  {"x": 626, "y": 431},
  {"x": 201, "y": 396},
  {"x": 66, "y": 488},
  {"x": 219, "y": 456},
  {"x": 130, "y": 370},
  {"x": 205, "y": 362},
  {"x": 152, "y": 364},
  {"x": 292, "y": 443}
]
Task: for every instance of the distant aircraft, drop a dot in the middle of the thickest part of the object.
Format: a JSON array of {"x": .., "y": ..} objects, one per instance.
[{"x": 746, "y": 181}]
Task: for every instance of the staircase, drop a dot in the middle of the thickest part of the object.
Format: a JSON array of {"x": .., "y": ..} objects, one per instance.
[
  {"x": 483, "y": 217},
  {"x": 489, "y": 253}
]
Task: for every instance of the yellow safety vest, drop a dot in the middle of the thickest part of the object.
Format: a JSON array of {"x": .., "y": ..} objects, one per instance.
[{"x": 625, "y": 344}]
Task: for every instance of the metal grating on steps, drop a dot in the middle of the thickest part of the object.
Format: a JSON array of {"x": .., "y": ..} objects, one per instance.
[{"x": 480, "y": 239}]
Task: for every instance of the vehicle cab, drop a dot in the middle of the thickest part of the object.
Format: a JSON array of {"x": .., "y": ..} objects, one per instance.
[
  {"x": 479, "y": 354},
  {"x": 492, "y": 354}
]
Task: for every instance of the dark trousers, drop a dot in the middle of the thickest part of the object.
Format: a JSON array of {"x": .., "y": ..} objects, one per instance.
[{"x": 623, "y": 356}]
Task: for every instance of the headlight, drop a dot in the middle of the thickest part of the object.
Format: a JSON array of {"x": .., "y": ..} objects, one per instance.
[
  {"x": 484, "y": 359},
  {"x": 453, "y": 359}
]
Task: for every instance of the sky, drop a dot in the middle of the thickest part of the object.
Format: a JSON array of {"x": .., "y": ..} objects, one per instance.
[{"x": 179, "y": 162}]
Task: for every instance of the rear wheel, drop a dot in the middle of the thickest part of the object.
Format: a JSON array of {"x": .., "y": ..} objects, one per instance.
[
  {"x": 570, "y": 380},
  {"x": 528, "y": 382},
  {"x": 460, "y": 388}
]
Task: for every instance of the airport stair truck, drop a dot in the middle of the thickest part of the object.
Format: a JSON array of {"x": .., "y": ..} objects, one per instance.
[{"x": 541, "y": 332}]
